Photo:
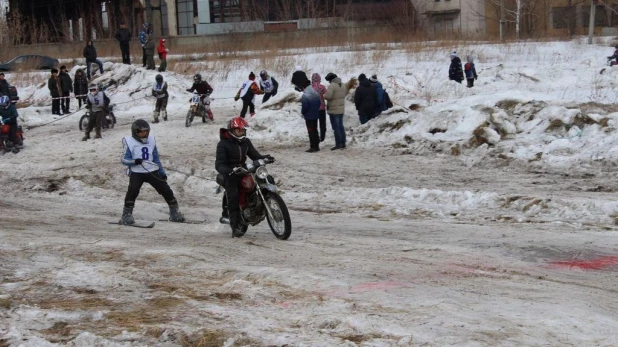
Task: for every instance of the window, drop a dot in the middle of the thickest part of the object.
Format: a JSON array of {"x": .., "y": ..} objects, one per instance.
[{"x": 184, "y": 10}]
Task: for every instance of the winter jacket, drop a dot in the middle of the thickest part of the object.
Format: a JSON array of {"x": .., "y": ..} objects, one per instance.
[
  {"x": 4, "y": 87},
  {"x": 162, "y": 50},
  {"x": 231, "y": 153},
  {"x": 53, "y": 84},
  {"x": 380, "y": 99},
  {"x": 8, "y": 113},
  {"x": 469, "y": 69},
  {"x": 365, "y": 98},
  {"x": 300, "y": 80},
  {"x": 202, "y": 88},
  {"x": 335, "y": 95},
  {"x": 455, "y": 72},
  {"x": 123, "y": 35},
  {"x": 160, "y": 90},
  {"x": 66, "y": 84},
  {"x": 90, "y": 53},
  {"x": 319, "y": 88},
  {"x": 310, "y": 104},
  {"x": 149, "y": 47},
  {"x": 143, "y": 34},
  {"x": 80, "y": 83}
]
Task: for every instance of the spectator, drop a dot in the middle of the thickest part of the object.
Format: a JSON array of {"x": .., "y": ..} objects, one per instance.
[
  {"x": 247, "y": 93},
  {"x": 80, "y": 87},
  {"x": 66, "y": 86},
  {"x": 319, "y": 88},
  {"x": 143, "y": 38},
  {"x": 380, "y": 99},
  {"x": 53, "y": 84},
  {"x": 311, "y": 113},
  {"x": 90, "y": 53},
  {"x": 335, "y": 96},
  {"x": 149, "y": 48},
  {"x": 269, "y": 85},
  {"x": 123, "y": 35},
  {"x": 162, "y": 50},
  {"x": 299, "y": 79},
  {"x": 4, "y": 85},
  {"x": 470, "y": 71},
  {"x": 365, "y": 99},
  {"x": 455, "y": 72}
]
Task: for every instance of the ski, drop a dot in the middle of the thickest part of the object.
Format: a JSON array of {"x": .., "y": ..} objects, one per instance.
[
  {"x": 136, "y": 225},
  {"x": 186, "y": 221}
]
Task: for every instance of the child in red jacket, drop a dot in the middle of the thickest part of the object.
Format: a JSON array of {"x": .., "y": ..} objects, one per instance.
[{"x": 162, "y": 55}]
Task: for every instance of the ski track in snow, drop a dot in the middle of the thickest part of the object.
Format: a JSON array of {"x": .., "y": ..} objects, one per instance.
[{"x": 485, "y": 218}]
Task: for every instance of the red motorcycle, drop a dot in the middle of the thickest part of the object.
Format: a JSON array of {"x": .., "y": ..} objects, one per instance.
[
  {"x": 5, "y": 138},
  {"x": 259, "y": 199}
]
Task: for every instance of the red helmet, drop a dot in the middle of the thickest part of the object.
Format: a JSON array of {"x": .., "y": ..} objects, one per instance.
[{"x": 238, "y": 123}]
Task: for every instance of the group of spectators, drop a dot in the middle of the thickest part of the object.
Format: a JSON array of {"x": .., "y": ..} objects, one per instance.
[
  {"x": 61, "y": 85},
  {"x": 457, "y": 72}
]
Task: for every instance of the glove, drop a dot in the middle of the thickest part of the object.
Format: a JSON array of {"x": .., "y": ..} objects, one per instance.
[
  {"x": 237, "y": 170},
  {"x": 270, "y": 158},
  {"x": 138, "y": 161},
  {"x": 236, "y": 98}
]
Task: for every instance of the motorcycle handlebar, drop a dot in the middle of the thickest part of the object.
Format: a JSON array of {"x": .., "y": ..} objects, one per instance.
[{"x": 251, "y": 167}]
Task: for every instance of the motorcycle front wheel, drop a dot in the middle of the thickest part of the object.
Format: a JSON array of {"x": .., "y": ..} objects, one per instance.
[
  {"x": 83, "y": 122},
  {"x": 189, "y": 119},
  {"x": 280, "y": 224}
]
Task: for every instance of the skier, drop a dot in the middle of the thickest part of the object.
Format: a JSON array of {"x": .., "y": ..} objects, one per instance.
[
  {"x": 159, "y": 90},
  {"x": 232, "y": 152},
  {"x": 141, "y": 155},
  {"x": 8, "y": 113},
  {"x": 247, "y": 93},
  {"x": 268, "y": 84},
  {"x": 97, "y": 103}
]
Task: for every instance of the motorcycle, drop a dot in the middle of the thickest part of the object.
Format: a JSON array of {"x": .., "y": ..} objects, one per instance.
[
  {"x": 259, "y": 199},
  {"x": 5, "y": 142},
  {"x": 108, "y": 121},
  {"x": 197, "y": 108}
]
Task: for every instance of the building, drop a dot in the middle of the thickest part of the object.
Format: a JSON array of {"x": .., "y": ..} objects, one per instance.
[{"x": 463, "y": 17}]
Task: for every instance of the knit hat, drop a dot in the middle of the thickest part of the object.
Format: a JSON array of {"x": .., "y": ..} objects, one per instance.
[
  {"x": 453, "y": 55},
  {"x": 252, "y": 76},
  {"x": 373, "y": 79},
  {"x": 362, "y": 77},
  {"x": 330, "y": 76},
  {"x": 63, "y": 67},
  {"x": 54, "y": 71}
]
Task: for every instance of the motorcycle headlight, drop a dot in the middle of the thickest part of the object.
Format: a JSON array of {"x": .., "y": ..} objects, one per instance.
[{"x": 261, "y": 173}]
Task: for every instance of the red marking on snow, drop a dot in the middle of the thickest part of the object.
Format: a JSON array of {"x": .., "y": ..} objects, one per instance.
[
  {"x": 590, "y": 264},
  {"x": 286, "y": 304}
]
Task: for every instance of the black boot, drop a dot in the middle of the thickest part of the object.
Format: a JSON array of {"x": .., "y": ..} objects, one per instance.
[
  {"x": 175, "y": 215},
  {"x": 127, "y": 216},
  {"x": 236, "y": 223}
]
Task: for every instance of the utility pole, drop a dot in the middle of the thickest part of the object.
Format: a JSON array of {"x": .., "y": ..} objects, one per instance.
[
  {"x": 502, "y": 21},
  {"x": 593, "y": 8}
]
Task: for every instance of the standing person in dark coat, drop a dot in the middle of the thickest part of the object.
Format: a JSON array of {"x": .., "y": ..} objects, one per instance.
[
  {"x": 90, "y": 53},
  {"x": 455, "y": 71},
  {"x": 66, "y": 85},
  {"x": 53, "y": 84},
  {"x": 365, "y": 99},
  {"x": 4, "y": 85},
  {"x": 299, "y": 79},
  {"x": 80, "y": 87},
  {"x": 380, "y": 99},
  {"x": 311, "y": 113},
  {"x": 149, "y": 48},
  {"x": 123, "y": 35}
]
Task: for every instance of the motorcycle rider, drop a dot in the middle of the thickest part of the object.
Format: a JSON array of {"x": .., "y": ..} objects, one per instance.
[
  {"x": 97, "y": 103},
  {"x": 141, "y": 155},
  {"x": 202, "y": 87},
  {"x": 159, "y": 90},
  {"x": 8, "y": 111},
  {"x": 232, "y": 152}
]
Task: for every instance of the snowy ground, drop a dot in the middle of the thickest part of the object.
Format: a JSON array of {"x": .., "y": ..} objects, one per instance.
[{"x": 486, "y": 217}]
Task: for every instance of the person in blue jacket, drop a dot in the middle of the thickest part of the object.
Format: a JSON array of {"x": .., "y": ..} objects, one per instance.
[
  {"x": 380, "y": 100},
  {"x": 9, "y": 117},
  {"x": 310, "y": 111},
  {"x": 143, "y": 38},
  {"x": 141, "y": 156}
]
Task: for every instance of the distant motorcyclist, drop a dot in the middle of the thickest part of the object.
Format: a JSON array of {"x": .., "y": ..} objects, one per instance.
[
  {"x": 8, "y": 111},
  {"x": 232, "y": 152},
  {"x": 202, "y": 87}
]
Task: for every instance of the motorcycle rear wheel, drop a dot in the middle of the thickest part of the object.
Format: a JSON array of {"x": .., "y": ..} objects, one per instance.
[
  {"x": 281, "y": 226},
  {"x": 83, "y": 122}
]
